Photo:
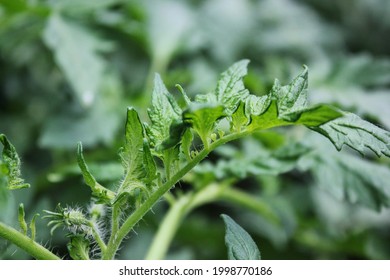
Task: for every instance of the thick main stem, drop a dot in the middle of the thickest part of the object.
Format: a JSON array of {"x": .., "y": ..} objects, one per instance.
[
  {"x": 116, "y": 239},
  {"x": 26, "y": 243}
]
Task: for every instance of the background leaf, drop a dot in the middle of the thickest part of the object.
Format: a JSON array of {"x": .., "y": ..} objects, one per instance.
[
  {"x": 350, "y": 178},
  {"x": 239, "y": 243},
  {"x": 76, "y": 52}
]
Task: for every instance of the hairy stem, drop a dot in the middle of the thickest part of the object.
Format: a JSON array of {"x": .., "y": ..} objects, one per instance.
[
  {"x": 99, "y": 240},
  {"x": 136, "y": 216},
  {"x": 25, "y": 243}
]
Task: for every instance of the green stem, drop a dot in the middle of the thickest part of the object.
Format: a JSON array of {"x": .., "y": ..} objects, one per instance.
[
  {"x": 168, "y": 228},
  {"x": 98, "y": 239},
  {"x": 27, "y": 244},
  {"x": 187, "y": 203},
  {"x": 116, "y": 239},
  {"x": 115, "y": 219},
  {"x": 256, "y": 204},
  {"x": 176, "y": 214}
]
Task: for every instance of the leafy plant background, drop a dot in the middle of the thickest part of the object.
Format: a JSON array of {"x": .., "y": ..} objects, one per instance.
[{"x": 69, "y": 69}]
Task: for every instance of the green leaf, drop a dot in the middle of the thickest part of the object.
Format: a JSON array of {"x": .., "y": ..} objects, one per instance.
[
  {"x": 33, "y": 227},
  {"x": 132, "y": 155},
  {"x": 137, "y": 160},
  {"x": 78, "y": 247},
  {"x": 22, "y": 221},
  {"x": 12, "y": 164},
  {"x": 230, "y": 88},
  {"x": 102, "y": 194},
  {"x": 239, "y": 243},
  {"x": 186, "y": 143},
  {"x": 206, "y": 98},
  {"x": 167, "y": 28},
  {"x": 257, "y": 105},
  {"x": 239, "y": 118},
  {"x": 291, "y": 99},
  {"x": 94, "y": 126},
  {"x": 356, "y": 133},
  {"x": 149, "y": 164},
  {"x": 76, "y": 48},
  {"x": 187, "y": 100},
  {"x": 287, "y": 105},
  {"x": 267, "y": 119},
  {"x": 176, "y": 132},
  {"x": 163, "y": 112},
  {"x": 97, "y": 125},
  {"x": 75, "y": 6},
  {"x": 352, "y": 179},
  {"x": 203, "y": 118},
  {"x": 252, "y": 158},
  {"x": 317, "y": 115}
]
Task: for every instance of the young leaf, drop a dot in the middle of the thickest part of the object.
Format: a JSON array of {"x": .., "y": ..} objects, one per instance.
[
  {"x": 356, "y": 133},
  {"x": 291, "y": 98},
  {"x": 78, "y": 247},
  {"x": 176, "y": 132},
  {"x": 132, "y": 155},
  {"x": 102, "y": 194},
  {"x": 187, "y": 100},
  {"x": 267, "y": 119},
  {"x": 239, "y": 243},
  {"x": 33, "y": 227},
  {"x": 149, "y": 164},
  {"x": 257, "y": 105},
  {"x": 12, "y": 163},
  {"x": 239, "y": 118},
  {"x": 230, "y": 88},
  {"x": 202, "y": 118},
  {"x": 287, "y": 105},
  {"x": 139, "y": 165},
  {"x": 22, "y": 221},
  {"x": 186, "y": 142},
  {"x": 163, "y": 112}
]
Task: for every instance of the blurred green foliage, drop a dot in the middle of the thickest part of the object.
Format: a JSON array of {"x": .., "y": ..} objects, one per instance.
[{"x": 69, "y": 69}]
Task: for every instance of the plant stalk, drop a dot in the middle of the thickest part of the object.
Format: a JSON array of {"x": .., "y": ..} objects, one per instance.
[
  {"x": 137, "y": 215},
  {"x": 185, "y": 204},
  {"x": 168, "y": 229},
  {"x": 26, "y": 243}
]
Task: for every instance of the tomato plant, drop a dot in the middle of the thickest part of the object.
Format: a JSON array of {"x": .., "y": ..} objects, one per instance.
[{"x": 158, "y": 154}]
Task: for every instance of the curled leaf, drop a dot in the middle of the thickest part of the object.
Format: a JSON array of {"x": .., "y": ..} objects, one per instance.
[{"x": 102, "y": 194}]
